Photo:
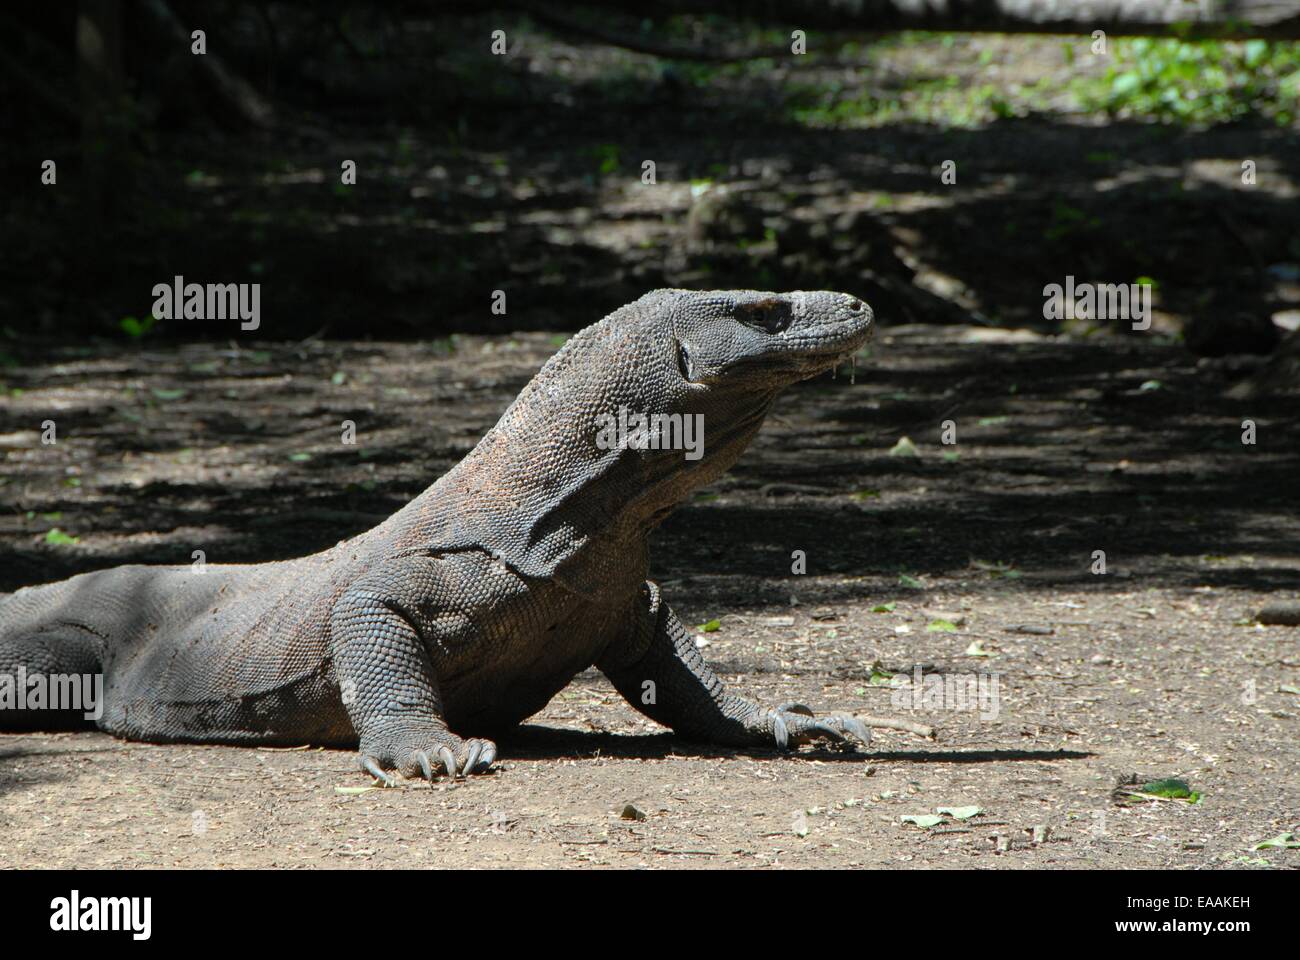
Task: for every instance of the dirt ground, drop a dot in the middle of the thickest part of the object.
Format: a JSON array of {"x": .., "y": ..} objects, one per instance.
[
  {"x": 1065, "y": 447},
  {"x": 971, "y": 561}
]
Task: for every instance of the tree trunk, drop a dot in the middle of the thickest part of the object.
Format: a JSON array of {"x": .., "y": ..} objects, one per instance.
[
  {"x": 1224, "y": 19},
  {"x": 104, "y": 110}
]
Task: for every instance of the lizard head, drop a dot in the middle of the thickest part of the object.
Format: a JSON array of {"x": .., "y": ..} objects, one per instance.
[
  {"x": 634, "y": 412},
  {"x": 716, "y": 360},
  {"x": 748, "y": 339}
]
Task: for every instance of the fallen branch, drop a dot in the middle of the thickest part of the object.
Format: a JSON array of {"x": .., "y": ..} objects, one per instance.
[
  {"x": 562, "y": 24},
  {"x": 891, "y": 723},
  {"x": 1217, "y": 19},
  {"x": 235, "y": 94}
]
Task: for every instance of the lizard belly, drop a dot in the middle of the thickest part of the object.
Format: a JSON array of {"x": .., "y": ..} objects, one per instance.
[{"x": 501, "y": 658}]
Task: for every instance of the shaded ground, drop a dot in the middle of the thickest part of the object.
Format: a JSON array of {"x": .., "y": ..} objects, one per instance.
[
  {"x": 524, "y": 174},
  {"x": 1064, "y": 447}
]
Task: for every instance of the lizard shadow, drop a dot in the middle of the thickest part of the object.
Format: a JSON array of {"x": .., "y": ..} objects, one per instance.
[
  {"x": 14, "y": 776},
  {"x": 534, "y": 742}
]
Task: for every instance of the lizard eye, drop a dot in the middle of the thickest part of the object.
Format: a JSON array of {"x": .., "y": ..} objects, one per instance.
[
  {"x": 684, "y": 360},
  {"x": 770, "y": 317}
]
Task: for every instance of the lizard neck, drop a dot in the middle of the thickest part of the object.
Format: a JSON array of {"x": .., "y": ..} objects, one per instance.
[{"x": 543, "y": 493}]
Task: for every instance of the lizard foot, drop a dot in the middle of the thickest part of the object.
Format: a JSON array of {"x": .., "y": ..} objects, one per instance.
[
  {"x": 792, "y": 724},
  {"x": 434, "y": 753}
]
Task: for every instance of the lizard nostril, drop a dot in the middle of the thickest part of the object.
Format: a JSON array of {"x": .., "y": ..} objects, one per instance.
[{"x": 855, "y": 306}]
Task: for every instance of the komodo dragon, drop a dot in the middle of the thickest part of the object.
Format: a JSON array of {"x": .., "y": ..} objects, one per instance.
[{"x": 467, "y": 610}]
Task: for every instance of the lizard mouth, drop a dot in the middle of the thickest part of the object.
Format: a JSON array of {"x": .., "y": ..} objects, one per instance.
[
  {"x": 796, "y": 362},
  {"x": 816, "y": 361},
  {"x": 813, "y": 366}
]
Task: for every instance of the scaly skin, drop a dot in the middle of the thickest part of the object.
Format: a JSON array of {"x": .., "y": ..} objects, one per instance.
[{"x": 476, "y": 603}]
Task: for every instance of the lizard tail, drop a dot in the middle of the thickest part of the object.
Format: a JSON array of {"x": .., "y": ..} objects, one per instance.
[{"x": 51, "y": 675}]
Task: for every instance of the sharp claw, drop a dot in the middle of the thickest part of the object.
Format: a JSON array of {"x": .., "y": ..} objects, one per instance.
[
  {"x": 856, "y": 727},
  {"x": 471, "y": 761},
  {"x": 793, "y": 707},
  {"x": 425, "y": 766},
  {"x": 827, "y": 727},
  {"x": 489, "y": 754},
  {"x": 372, "y": 768},
  {"x": 449, "y": 761},
  {"x": 780, "y": 731}
]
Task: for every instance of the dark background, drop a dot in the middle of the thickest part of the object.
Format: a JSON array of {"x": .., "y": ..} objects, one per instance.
[{"x": 522, "y": 172}]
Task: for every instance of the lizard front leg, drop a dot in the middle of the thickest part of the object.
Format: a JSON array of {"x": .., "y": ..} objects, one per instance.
[
  {"x": 388, "y": 686},
  {"x": 658, "y": 669}
]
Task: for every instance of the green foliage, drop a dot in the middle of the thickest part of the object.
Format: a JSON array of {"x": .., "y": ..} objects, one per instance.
[
  {"x": 1170, "y": 789},
  {"x": 607, "y": 158},
  {"x": 136, "y": 328},
  {"x": 828, "y": 108},
  {"x": 1068, "y": 220},
  {"x": 1206, "y": 81},
  {"x": 1174, "y": 80}
]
